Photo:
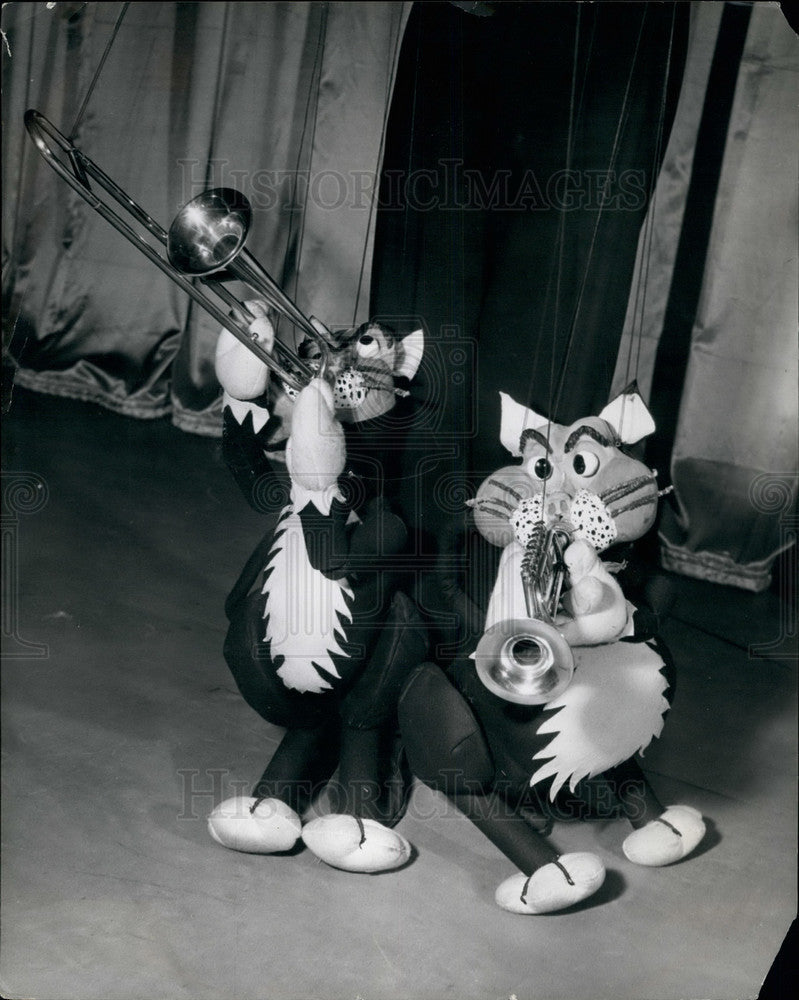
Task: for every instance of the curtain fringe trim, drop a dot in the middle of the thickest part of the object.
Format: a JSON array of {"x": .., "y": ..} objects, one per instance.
[
  {"x": 715, "y": 568},
  {"x": 205, "y": 425},
  {"x": 51, "y": 384}
]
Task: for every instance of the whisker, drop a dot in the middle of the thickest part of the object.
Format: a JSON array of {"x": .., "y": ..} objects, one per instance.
[
  {"x": 484, "y": 506},
  {"x": 501, "y": 503},
  {"x": 504, "y": 486},
  {"x": 496, "y": 513},
  {"x": 640, "y": 502},
  {"x": 372, "y": 369},
  {"x": 623, "y": 489}
]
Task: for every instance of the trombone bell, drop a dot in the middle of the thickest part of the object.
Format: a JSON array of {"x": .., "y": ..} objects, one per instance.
[
  {"x": 205, "y": 242},
  {"x": 209, "y": 232}
]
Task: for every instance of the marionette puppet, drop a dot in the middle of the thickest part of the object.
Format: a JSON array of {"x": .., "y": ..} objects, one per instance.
[
  {"x": 320, "y": 640},
  {"x": 565, "y": 681}
]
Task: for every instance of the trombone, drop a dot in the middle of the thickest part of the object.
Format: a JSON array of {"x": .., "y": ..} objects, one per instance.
[{"x": 203, "y": 248}]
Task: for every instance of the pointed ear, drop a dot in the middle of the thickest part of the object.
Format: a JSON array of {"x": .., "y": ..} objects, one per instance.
[
  {"x": 515, "y": 419},
  {"x": 409, "y": 355},
  {"x": 629, "y": 416}
]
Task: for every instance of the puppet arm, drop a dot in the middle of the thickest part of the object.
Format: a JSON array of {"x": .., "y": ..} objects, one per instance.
[
  {"x": 245, "y": 381},
  {"x": 596, "y": 610},
  {"x": 241, "y": 374}
]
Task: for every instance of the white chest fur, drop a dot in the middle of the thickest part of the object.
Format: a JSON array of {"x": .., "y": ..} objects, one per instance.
[
  {"x": 507, "y": 598},
  {"x": 613, "y": 707},
  {"x": 305, "y": 612}
]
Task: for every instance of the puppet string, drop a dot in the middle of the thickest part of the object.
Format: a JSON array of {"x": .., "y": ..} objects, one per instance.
[
  {"x": 613, "y": 155},
  {"x": 99, "y": 70}
]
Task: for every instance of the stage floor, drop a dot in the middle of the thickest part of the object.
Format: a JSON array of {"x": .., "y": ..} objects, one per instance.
[{"x": 122, "y": 727}]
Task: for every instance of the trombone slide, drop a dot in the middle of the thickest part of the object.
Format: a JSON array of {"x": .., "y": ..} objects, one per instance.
[{"x": 204, "y": 246}]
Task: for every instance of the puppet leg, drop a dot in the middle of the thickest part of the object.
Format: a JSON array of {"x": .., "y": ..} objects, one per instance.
[
  {"x": 370, "y": 793},
  {"x": 634, "y": 794},
  {"x": 303, "y": 761},
  {"x": 660, "y": 836},
  {"x": 268, "y": 821},
  {"x": 371, "y": 781},
  {"x": 448, "y": 752},
  {"x": 353, "y": 840}
]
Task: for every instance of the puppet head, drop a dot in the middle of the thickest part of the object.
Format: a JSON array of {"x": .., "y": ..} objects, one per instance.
[
  {"x": 364, "y": 367},
  {"x": 359, "y": 386},
  {"x": 357, "y": 383},
  {"x": 579, "y": 475}
]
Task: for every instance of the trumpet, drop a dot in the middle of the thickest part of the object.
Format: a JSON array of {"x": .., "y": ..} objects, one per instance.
[
  {"x": 203, "y": 248},
  {"x": 527, "y": 661}
]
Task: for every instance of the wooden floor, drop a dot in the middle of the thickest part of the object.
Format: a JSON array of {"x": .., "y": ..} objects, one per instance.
[{"x": 122, "y": 727}]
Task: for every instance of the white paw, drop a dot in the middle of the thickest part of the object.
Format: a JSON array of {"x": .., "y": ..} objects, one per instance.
[
  {"x": 667, "y": 839},
  {"x": 554, "y": 886},
  {"x": 355, "y": 845},
  {"x": 270, "y": 827}
]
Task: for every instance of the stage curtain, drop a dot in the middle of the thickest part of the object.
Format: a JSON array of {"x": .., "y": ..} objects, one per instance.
[
  {"x": 285, "y": 101},
  {"x": 713, "y": 341},
  {"x": 289, "y": 102},
  {"x": 512, "y": 125}
]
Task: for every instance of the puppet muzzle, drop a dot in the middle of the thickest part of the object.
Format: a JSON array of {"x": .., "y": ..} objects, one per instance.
[{"x": 585, "y": 513}]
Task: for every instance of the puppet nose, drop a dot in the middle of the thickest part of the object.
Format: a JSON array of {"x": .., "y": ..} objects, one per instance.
[{"x": 557, "y": 506}]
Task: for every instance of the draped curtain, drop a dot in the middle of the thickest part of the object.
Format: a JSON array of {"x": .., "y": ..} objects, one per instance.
[
  {"x": 447, "y": 165},
  {"x": 284, "y": 101},
  {"x": 522, "y": 149},
  {"x": 714, "y": 340}
]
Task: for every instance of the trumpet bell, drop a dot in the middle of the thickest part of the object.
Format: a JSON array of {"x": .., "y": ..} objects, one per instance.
[
  {"x": 209, "y": 232},
  {"x": 524, "y": 661}
]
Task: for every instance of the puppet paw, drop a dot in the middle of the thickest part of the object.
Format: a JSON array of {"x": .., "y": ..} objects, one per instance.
[
  {"x": 355, "y": 845},
  {"x": 256, "y": 827},
  {"x": 555, "y": 886},
  {"x": 667, "y": 839},
  {"x": 316, "y": 452}
]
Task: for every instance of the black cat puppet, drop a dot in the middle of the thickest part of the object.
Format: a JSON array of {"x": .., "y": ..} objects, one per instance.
[
  {"x": 534, "y": 721},
  {"x": 320, "y": 639}
]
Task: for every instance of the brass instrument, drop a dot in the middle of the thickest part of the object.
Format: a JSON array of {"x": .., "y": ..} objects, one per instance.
[
  {"x": 527, "y": 661},
  {"x": 205, "y": 242}
]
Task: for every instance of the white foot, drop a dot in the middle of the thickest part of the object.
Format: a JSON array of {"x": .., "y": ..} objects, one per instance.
[
  {"x": 355, "y": 845},
  {"x": 270, "y": 827},
  {"x": 666, "y": 839},
  {"x": 555, "y": 886}
]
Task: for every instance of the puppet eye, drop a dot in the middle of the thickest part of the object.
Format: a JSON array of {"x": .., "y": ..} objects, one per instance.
[
  {"x": 542, "y": 468},
  {"x": 367, "y": 346},
  {"x": 585, "y": 463}
]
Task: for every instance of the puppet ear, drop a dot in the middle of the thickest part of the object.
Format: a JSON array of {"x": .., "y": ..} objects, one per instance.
[
  {"x": 409, "y": 355},
  {"x": 628, "y": 415},
  {"x": 515, "y": 419}
]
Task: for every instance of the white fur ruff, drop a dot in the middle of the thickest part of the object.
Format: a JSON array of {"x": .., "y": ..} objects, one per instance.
[
  {"x": 507, "y": 597},
  {"x": 612, "y": 709},
  {"x": 303, "y": 611}
]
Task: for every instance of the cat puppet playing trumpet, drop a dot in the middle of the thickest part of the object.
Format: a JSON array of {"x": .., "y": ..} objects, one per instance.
[{"x": 562, "y": 682}]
